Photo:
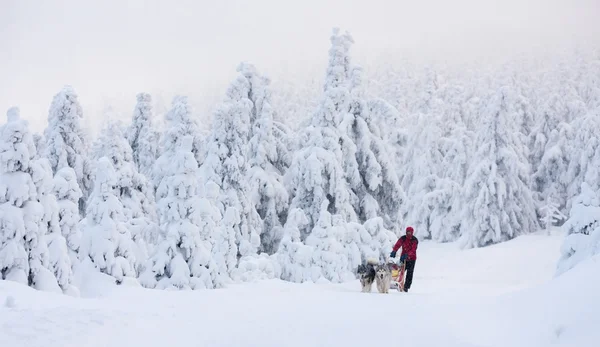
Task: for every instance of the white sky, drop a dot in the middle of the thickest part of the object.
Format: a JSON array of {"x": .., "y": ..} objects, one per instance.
[{"x": 110, "y": 50}]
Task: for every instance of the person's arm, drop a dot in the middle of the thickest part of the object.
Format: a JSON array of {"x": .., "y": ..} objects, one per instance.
[{"x": 396, "y": 248}]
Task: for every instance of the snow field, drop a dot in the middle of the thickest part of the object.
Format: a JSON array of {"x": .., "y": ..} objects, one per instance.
[{"x": 459, "y": 298}]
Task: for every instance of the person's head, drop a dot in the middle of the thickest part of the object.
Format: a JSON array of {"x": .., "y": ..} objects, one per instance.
[{"x": 409, "y": 231}]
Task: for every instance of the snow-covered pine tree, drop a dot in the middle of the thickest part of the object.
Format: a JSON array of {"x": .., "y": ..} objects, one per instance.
[
  {"x": 550, "y": 155},
  {"x": 184, "y": 258},
  {"x": 420, "y": 172},
  {"x": 498, "y": 201},
  {"x": 66, "y": 141},
  {"x": 551, "y": 215},
  {"x": 106, "y": 241},
  {"x": 549, "y": 181},
  {"x": 142, "y": 136},
  {"x": 40, "y": 143},
  {"x": 266, "y": 161},
  {"x": 59, "y": 259},
  {"x": 322, "y": 167},
  {"x": 583, "y": 155},
  {"x": 24, "y": 255},
  {"x": 294, "y": 257},
  {"x": 226, "y": 165},
  {"x": 583, "y": 230},
  {"x": 330, "y": 259},
  {"x": 548, "y": 120},
  {"x": 379, "y": 192},
  {"x": 456, "y": 148},
  {"x": 376, "y": 240},
  {"x": 181, "y": 117},
  {"x": 394, "y": 129},
  {"x": 68, "y": 193},
  {"x": 132, "y": 188}
]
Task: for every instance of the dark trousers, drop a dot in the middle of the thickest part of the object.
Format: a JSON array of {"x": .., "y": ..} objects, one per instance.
[{"x": 410, "y": 268}]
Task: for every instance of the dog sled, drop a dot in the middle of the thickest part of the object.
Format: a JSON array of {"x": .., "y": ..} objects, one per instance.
[{"x": 398, "y": 272}]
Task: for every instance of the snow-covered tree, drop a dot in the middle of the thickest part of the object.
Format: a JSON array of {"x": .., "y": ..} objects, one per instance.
[
  {"x": 550, "y": 181},
  {"x": 377, "y": 241},
  {"x": 131, "y": 187},
  {"x": 106, "y": 241},
  {"x": 59, "y": 259},
  {"x": 499, "y": 204},
  {"x": 24, "y": 255},
  {"x": 378, "y": 191},
  {"x": 584, "y": 155},
  {"x": 40, "y": 143},
  {"x": 330, "y": 260},
  {"x": 324, "y": 168},
  {"x": 420, "y": 172},
  {"x": 226, "y": 165},
  {"x": 181, "y": 118},
  {"x": 294, "y": 257},
  {"x": 184, "y": 258},
  {"x": 68, "y": 193},
  {"x": 551, "y": 214},
  {"x": 582, "y": 229},
  {"x": 142, "y": 136},
  {"x": 67, "y": 144},
  {"x": 394, "y": 131},
  {"x": 266, "y": 161}
]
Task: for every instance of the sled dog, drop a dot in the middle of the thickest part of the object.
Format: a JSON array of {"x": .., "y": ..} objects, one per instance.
[
  {"x": 383, "y": 277},
  {"x": 366, "y": 273}
]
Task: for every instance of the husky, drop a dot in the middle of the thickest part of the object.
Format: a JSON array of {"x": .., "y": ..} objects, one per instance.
[
  {"x": 383, "y": 277},
  {"x": 366, "y": 273}
]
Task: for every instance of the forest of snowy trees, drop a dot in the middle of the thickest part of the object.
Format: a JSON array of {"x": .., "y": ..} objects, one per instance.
[{"x": 477, "y": 157}]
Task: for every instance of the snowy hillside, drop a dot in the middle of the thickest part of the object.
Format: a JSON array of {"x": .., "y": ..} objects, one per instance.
[{"x": 477, "y": 297}]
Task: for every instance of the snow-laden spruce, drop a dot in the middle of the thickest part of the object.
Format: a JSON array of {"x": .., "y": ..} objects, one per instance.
[
  {"x": 332, "y": 259},
  {"x": 266, "y": 161},
  {"x": 40, "y": 143},
  {"x": 584, "y": 155},
  {"x": 335, "y": 112},
  {"x": 498, "y": 201},
  {"x": 456, "y": 147},
  {"x": 582, "y": 228},
  {"x": 394, "y": 129},
  {"x": 68, "y": 193},
  {"x": 60, "y": 260},
  {"x": 226, "y": 164},
  {"x": 550, "y": 181},
  {"x": 142, "y": 136},
  {"x": 379, "y": 192},
  {"x": 280, "y": 135},
  {"x": 322, "y": 168},
  {"x": 420, "y": 172},
  {"x": 131, "y": 187},
  {"x": 550, "y": 156},
  {"x": 179, "y": 122},
  {"x": 293, "y": 256},
  {"x": 24, "y": 255},
  {"x": 66, "y": 141},
  {"x": 106, "y": 241},
  {"x": 376, "y": 240},
  {"x": 184, "y": 258}
]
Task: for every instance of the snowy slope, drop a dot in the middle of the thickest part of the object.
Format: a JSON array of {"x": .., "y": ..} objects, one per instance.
[{"x": 498, "y": 296}]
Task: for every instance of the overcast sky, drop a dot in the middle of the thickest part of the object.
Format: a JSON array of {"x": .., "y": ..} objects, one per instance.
[{"x": 110, "y": 50}]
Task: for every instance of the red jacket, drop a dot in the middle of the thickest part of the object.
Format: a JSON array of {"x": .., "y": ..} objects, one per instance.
[{"x": 409, "y": 247}]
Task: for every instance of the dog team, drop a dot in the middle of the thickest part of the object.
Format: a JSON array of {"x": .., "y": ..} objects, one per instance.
[{"x": 381, "y": 274}]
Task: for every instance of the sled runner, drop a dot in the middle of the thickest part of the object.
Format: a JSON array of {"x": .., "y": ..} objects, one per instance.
[{"x": 397, "y": 276}]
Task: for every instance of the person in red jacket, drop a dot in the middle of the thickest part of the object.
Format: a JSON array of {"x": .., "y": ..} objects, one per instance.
[{"x": 409, "y": 244}]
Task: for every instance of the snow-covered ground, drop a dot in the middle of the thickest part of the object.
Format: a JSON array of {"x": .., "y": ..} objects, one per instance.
[{"x": 504, "y": 295}]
